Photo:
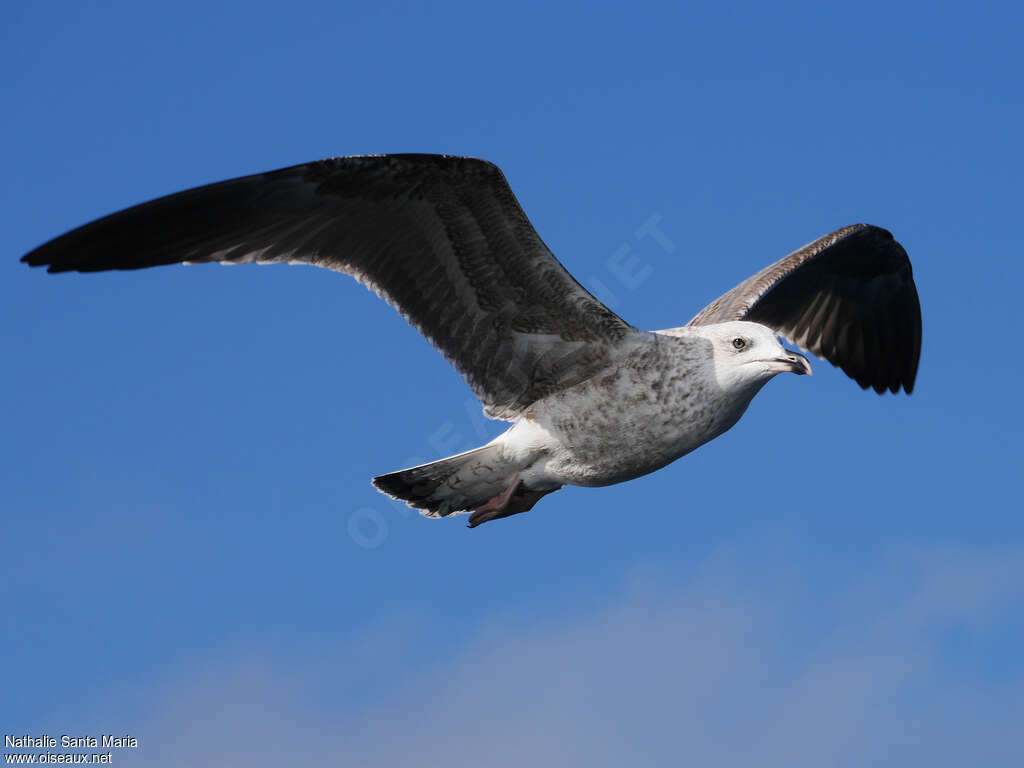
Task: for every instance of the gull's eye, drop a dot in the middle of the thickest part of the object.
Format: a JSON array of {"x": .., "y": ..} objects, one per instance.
[{"x": 738, "y": 343}]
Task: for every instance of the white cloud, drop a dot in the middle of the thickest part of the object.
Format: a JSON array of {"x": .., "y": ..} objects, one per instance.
[{"x": 736, "y": 666}]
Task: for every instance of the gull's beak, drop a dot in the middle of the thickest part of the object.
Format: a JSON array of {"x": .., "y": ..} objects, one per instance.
[{"x": 792, "y": 362}]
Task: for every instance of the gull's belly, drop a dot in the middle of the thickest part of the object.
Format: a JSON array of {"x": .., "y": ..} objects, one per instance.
[
  {"x": 613, "y": 446},
  {"x": 629, "y": 423}
]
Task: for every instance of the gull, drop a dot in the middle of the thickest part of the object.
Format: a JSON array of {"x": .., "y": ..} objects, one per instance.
[{"x": 592, "y": 400}]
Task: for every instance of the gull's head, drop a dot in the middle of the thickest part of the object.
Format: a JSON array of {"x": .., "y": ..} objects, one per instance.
[{"x": 749, "y": 354}]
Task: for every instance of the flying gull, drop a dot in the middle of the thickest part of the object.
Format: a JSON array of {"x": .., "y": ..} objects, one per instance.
[{"x": 592, "y": 399}]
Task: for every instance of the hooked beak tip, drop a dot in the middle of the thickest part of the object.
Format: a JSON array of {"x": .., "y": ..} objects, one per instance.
[
  {"x": 803, "y": 365},
  {"x": 793, "y": 362}
]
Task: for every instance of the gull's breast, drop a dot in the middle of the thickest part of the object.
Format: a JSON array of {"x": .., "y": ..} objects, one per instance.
[{"x": 634, "y": 419}]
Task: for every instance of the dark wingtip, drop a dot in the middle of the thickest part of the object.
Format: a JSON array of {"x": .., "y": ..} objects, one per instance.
[
  {"x": 894, "y": 389},
  {"x": 37, "y": 258},
  {"x": 910, "y": 378}
]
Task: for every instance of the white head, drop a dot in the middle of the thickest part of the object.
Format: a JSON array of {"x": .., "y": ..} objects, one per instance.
[{"x": 749, "y": 354}]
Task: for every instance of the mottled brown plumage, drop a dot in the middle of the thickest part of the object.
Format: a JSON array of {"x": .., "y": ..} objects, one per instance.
[{"x": 594, "y": 400}]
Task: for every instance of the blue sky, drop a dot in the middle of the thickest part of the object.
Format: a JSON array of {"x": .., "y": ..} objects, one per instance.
[{"x": 193, "y": 552}]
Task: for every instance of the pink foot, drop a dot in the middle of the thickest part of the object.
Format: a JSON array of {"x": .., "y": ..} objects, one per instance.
[
  {"x": 498, "y": 502},
  {"x": 513, "y": 500}
]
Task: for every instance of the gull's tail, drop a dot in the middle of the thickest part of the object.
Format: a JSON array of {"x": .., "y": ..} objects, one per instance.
[{"x": 483, "y": 481}]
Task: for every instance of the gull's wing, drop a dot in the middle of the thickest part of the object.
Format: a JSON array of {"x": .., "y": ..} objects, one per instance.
[
  {"x": 848, "y": 297},
  {"x": 442, "y": 239}
]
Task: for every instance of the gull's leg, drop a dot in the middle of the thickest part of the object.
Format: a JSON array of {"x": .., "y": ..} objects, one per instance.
[
  {"x": 513, "y": 500},
  {"x": 494, "y": 506}
]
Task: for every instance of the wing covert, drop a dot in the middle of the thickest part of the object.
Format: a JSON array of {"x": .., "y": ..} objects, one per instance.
[{"x": 441, "y": 238}]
